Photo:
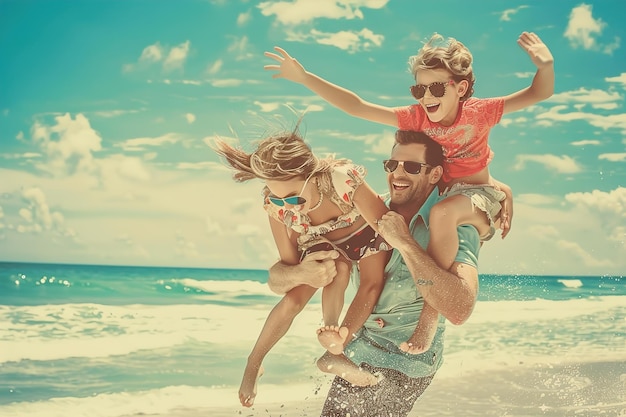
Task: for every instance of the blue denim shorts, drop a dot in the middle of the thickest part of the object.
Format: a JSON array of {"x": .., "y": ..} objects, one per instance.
[{"x": 484, "y": 197}]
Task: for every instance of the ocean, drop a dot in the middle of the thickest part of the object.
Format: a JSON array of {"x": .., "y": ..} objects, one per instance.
[{"x": 87, "y": 340}]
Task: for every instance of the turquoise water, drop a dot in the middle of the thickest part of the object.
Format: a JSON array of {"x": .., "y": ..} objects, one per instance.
[{"x": 80, "y": 337}]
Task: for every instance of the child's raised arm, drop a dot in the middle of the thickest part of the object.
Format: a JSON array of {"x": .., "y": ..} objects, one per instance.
[
  {"x": 542, "y": 86},
  {"x": 290, "y": 69}
]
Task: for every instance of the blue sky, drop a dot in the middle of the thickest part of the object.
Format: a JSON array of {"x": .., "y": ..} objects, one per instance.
[{"x": 107, "y": 107}]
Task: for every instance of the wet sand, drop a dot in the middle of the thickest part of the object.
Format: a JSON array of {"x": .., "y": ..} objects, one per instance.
[{"x": 548, "y": 390}]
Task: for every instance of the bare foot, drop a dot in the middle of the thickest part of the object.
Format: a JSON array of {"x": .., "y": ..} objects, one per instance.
[
  {"x": 332, "y": 338},
  {"x": 413, "y": 347},
  {"x": 247, "y": 390},
  {"x": 341, "y": 366}
]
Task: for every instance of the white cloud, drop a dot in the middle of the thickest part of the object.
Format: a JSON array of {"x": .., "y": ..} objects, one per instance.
[
  {"x": 197, "y": 166},
  {"x": 535, "y": 199},
  {"x": 215, "y": 67},
  {"x": 350, "y": 41},
  {"x": 505, "y": 15},
  {"x": 605, "y": 106},
  {"x": 185, "y": 247},
  {"x": 140, "y": 144},
  {"x": 528, "y": 74},
  {"x": 113, "y": 113},
  {"x": 561, "y": 164},
  {"x": 303, "y": 11},
  {"x": 246, "y": 230},
  {"x": 612, "y": 202},
  {"x": 592, "y": 142},
  {"x": 612, "y": 121},
  {"x": 177, "y": 56},
  {"x": 170, "y": 58},
  {"x": 621, "y": 79},
  {"x": 239, "y": 48},
  {"x": 613, "y": 157},
  {"x": 68, "y": 144},
  {"x": 131, "y": 168},
  {"x": 582, "y": 95},
  {"x": 587, "y": 259},
  {"x": 227, "y": 82},
  {"x": 583, "y": 30},
  {"x": 190, "y": 117},
  {"x": 152, "y": 53},
  {"x": 244, "y": 18},
  {"x": 37, "y": 215},
  {"x": 267, "y": 107},
  {"x": 213, "y": 227}
]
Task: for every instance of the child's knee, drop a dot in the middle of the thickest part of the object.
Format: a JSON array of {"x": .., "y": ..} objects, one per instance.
[{"x": 292, "y": 305}]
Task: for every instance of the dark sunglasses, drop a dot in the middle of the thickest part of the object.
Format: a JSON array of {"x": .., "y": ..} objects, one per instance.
[
  {"x": 409, "y": 167},
  {"x": 437, "y": 89},
  {"x": 295, "y": 200}
]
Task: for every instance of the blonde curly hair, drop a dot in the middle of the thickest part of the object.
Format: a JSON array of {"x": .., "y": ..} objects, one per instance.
[{"x": 448, "y": 54}]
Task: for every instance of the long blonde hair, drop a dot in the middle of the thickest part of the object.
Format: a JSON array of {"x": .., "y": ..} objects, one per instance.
[{"x": 280, "y": 157}]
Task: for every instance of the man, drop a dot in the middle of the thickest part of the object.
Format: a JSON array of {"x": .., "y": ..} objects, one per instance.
[{"x": 411, "y": 277}]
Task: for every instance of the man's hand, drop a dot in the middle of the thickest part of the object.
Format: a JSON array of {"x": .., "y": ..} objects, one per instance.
[
  {"x": 536, "y": 49},
  {"x": 289, "y": 67},
  {"x": 316, "y": 270},
  {"x": 393, "y": 228}
]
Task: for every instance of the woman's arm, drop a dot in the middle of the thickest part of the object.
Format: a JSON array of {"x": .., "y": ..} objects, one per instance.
[
  {"x": 290, "y": 69},
  {"x": 369, "y": 204}
]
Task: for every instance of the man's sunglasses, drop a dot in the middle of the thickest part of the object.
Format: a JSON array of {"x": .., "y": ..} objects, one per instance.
[
  {"x": 437, "y": 89},
  {"x": 409, "y": 167},
  {"x": 295, "y": 200}
]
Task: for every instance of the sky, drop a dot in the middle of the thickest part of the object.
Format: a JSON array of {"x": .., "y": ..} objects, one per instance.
[{"x": 108, "y": 109}]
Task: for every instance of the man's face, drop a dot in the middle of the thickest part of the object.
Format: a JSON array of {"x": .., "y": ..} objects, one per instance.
[{"x": 411, "y": 189}]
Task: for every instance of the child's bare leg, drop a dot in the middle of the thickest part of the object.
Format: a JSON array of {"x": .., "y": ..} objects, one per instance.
[
  {"x": 422, "y": 337},
  {"x": 444, "y": 218},
  {"x": 276, "y": 325},
  {"x": 331, "y": 336},
  {"x": 343, "y": 367}
]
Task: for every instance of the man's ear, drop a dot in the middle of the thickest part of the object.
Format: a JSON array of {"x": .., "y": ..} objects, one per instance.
[{"x": 435, "y": 174}]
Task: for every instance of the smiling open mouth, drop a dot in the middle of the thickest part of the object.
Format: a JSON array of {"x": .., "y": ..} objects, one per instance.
[{"x": 431, "y": 108}]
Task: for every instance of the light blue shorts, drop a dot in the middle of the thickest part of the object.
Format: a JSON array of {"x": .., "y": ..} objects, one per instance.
[{"x": 484, "y": 197}]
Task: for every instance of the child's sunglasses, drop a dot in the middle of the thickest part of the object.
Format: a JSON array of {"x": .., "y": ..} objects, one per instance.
[
  {"x": 410, "y": 167},
  {"x": 437, "y": 89}
]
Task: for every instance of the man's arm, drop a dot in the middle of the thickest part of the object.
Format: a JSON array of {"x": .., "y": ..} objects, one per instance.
[
  {"x": 453, "y": 293},
  {"x": 316, "y": 270}
]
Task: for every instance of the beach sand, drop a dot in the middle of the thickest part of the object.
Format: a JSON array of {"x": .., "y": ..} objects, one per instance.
[{"x": 563, "y": 390}]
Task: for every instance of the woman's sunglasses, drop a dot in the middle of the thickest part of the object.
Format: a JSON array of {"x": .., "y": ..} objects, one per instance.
[
  {"x": 437, "y": 89},
  {"x": 409, "y": 167},
  {"x": 295, "y": 200}
]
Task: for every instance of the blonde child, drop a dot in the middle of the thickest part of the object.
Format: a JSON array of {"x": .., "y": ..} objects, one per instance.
[
  {"x": 461, "y": 124},
  {"x": 314, "y": 205}
]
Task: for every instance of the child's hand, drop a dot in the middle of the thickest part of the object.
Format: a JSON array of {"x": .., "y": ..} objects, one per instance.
[
  {"x": 538, "y": 51},
  {"x": 506, "y": 213},
  {"x": 289, "y": 67}
]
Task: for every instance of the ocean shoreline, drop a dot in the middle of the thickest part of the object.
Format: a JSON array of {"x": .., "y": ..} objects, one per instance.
[{"x": 578, "y": 389}]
